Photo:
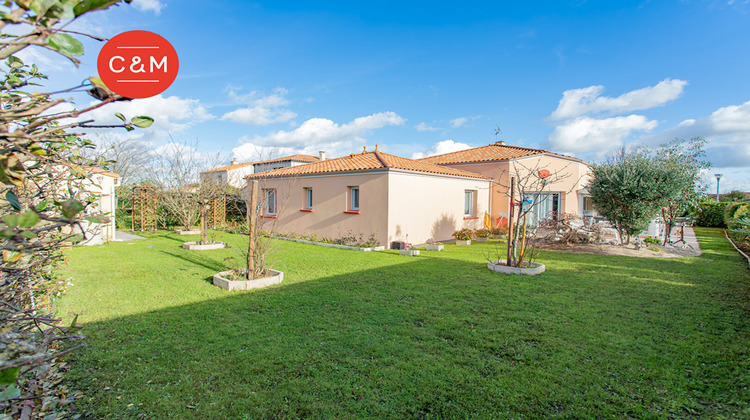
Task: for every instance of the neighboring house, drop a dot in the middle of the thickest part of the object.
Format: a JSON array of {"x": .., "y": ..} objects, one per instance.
[
  {"x": 235, "y": 173},
  {"x": 102, "y": 185},
  {"x": 374, "y": 193},
  {"x": 499, "y": 162}
]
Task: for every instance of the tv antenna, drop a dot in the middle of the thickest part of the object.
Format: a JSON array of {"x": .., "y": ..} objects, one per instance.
[{"x": 497, "y": 131}]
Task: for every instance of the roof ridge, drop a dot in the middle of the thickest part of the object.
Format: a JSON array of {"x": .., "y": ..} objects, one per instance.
[
  {"x": 382, "y": 159},
  {"x": 513, "y": 146}
]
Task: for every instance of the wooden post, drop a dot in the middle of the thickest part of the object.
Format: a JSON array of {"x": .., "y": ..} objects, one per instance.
[
  {"x": 252, "y": 221},
  {"x": 204, "y": 224},
  {"x": 510, "y": 218}
]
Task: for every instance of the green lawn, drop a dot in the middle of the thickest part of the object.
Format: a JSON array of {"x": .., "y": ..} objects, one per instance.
[{"x": 377, "y": 335}]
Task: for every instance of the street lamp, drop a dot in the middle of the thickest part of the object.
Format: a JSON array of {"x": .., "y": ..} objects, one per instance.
[{"x": 718, "y": 178}]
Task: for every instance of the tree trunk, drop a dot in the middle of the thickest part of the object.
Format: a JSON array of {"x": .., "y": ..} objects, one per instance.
[
  {"x": 252, "y": 221},
  {"x": 204, "y": 227}
]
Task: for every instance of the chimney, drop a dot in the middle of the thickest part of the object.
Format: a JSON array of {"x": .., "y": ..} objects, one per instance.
[
  {"x": 500, "y": 143},
  {"x": 322, "y": 155},
  {"x": 234, "y": 161}
]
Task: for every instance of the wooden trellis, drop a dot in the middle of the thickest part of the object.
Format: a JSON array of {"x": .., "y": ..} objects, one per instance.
[
  {"x": 143, "y": 209},
  {"x": 217, "y": 211}
]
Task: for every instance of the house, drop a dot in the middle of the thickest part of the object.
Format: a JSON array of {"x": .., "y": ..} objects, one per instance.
[
  {"x": 235, "y": 173},
  {"x": 553, "y": 181},
  {"x": 374, "y": 193},
  {"x": 101, "y": 185}
]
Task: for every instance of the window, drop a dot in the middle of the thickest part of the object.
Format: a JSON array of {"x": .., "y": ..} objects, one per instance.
[
  {"x": 271, "y": 202},
  {"x": 588, "y": 206},
  {"x": 354, "y": 198},
  {"x": 308, "y": 199},
  {"x": 470, "y": 197}
]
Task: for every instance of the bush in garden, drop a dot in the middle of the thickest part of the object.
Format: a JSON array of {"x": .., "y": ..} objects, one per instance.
[
  {"x": 710, "y": 214},
  {"x": 483, "y": 233},
  {"x": 464, "y": 234}
]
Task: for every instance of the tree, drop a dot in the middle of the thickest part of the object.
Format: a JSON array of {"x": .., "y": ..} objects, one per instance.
[
  {"x": 632, "y": 188},
  {"x": 527, "y": 188},
  {"x": 176, "y": 172},
  {"x": 734, "y": 195},
  {"x": 683, "y": 161},
  {"x": 43, "y": 180}
]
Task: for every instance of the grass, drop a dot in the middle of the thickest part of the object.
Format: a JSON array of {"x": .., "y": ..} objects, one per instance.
[{"x": 377, "y": 335}]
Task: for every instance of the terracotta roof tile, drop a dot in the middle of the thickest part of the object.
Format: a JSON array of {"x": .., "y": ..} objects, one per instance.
[
  {"x": 489, "y": 153},
  {"x": 365, "y": 161},
  {"x": 298, "y": 158},
  {"x": 103, "y": 172}
]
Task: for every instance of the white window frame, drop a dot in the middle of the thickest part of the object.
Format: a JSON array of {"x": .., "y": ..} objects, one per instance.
[
  {"x": 471, "y": 196},
  {"x": 354, "y": 193},
  {"x": 271, "y": 202},
  {"x": 308, "y": 198}
]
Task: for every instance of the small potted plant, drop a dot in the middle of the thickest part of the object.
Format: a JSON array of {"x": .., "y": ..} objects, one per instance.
[
  {"x": 463, "y": 236},
  {"x": 482, "y": 235},
  {"x": 499, "y": 232},
  {"x": 408, "y": 249},
  {"x": 433, "y": 246}
]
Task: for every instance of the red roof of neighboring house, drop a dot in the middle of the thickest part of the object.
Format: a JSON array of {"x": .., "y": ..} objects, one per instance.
[
  {"x": 298, "y": 158},
  {"x": 103, "y": 172},
  {"x": 364, "y": 161},
  {"x": 490, "y": 153}
]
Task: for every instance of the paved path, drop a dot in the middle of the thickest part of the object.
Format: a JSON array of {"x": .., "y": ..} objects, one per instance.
[
  {"x": 124, "y": 236},
  {"x": 690, "y": 237}
]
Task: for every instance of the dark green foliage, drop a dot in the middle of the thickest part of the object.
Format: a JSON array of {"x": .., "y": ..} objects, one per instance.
[
  {"x": 735, "y": 195},
  {"x": 710, "y": 214},
  {"x": 630, "y": 190},
  {"x": 735, "y": 210}
]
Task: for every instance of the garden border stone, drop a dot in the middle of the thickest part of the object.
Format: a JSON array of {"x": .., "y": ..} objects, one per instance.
[
  {"x": 222, "y": 280},
  {"x": 196, "y": 246},
  {"x": 500, "y": 267}
]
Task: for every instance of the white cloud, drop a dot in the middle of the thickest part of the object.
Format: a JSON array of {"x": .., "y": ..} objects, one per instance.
[
  {"x": 576, "y": 102},
  {"x": 171, "y": 114},
  {"x": 458, "y": 122},
  {"x": 727, "y": 129},
  {"x": 262, "y": 110},
  {"x": 425, "y": 127},
  {"x": 731, "y": 119},
  {"x": 445, "y": 146},
  {"x": 149, "y": 5},
  {"x": 602, "y": 136},
  {"x": 317, "y": 134}
]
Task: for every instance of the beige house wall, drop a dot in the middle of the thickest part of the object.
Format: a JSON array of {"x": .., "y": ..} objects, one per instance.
[
  {"x": 574, "y": 176},
  {"x": 103, "y": 187},
  {"x": 430, "y": 207},
  {"x": 233, "y": 177},
  {"x": 330, "y": 202}
]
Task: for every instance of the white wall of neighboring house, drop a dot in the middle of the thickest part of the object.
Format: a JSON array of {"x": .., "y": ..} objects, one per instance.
[{"x": 101, "y": 185}]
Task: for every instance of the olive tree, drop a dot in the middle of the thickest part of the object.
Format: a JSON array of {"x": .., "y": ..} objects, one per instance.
[{"x": 636, "y": 186}]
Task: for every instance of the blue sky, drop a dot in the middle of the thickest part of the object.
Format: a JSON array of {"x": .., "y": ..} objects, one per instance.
[{"x": 260, "y": 79}]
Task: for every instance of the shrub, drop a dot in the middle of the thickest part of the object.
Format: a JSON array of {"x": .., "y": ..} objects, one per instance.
[
  {"x": 464, "y": 234},
  {"x": 710, "y": 214},
  {"x": 742, "y": 212},
  {"x": 483, "y": 233},
  {"x": 650, "y": 240},
  {"x": 500, "y": 230},
  {"x": 741, "y": 233}
]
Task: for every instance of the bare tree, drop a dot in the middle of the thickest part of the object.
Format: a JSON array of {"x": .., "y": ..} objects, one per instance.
[
  {"x": 176, "y": 170},
  {"x": 131, "y": 158},
  {"x": 526, "y": 188}
]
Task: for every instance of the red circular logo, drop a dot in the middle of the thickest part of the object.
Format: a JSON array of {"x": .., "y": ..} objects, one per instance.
[{"x": 138, "y": 64}]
